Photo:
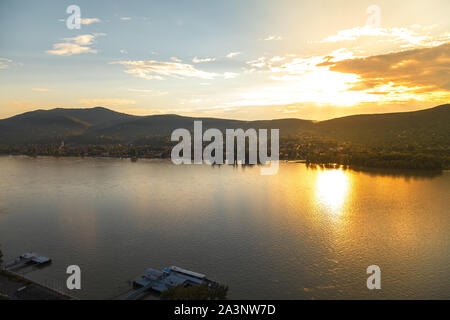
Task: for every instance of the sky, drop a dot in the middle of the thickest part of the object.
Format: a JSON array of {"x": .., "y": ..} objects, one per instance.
[{"x": 238, "y": 59}]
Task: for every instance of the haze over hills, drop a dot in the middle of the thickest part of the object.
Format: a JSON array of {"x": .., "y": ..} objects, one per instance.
[{"x": 103, "y": 126}]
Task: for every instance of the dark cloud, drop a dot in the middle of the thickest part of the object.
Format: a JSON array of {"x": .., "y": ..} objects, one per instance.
[{"x": 427, "y": 68}]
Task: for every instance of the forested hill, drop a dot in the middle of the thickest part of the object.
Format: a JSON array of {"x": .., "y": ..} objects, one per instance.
[
  {"x": 103, "y": 126},
  {"x": 408, "y": 140},
  {"x": 427, "y": 126}
]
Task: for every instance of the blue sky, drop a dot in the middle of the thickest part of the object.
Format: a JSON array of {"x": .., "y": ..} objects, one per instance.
[{"x": 236, "y": 59}]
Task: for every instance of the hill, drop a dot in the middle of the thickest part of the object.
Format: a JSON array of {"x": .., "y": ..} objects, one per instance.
[
  {"x": 427, "y": 126},
  {"x": 409, "y": 140},
  {"x": 51, "y": 126},
  {"x": 100, "y": 125}
]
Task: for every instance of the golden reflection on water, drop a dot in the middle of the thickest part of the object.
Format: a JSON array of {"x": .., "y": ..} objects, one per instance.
[
  {"x": 332, "y": 189},
  {"x": 316, "y": 229}
]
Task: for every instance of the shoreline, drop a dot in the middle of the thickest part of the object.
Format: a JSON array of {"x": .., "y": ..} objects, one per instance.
[
  {"x": 15, "y": 286},
  {"x": 291, "y": 161}
]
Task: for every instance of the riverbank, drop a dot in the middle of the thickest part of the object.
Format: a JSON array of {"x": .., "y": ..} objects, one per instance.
[
  {"x": 362, "y": 163},
  {"x": 16, "y": 287}
]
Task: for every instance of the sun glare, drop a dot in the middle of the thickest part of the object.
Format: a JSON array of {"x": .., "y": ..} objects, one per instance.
[{"x": 332, "y": 189}]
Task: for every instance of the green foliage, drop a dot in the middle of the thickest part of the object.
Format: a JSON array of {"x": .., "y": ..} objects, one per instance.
[{"x": 202, "y": 292}]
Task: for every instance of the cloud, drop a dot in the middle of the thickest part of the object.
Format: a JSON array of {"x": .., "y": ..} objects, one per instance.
[
  {"x": 257, "y": 63},
  {"x": 418, "y": 70},
  {"x": 200, "y": 60},
  {"x": 76, "y": 45},
  {"x": 341, "y": 79},
  {"x": 152, "y": 69},
  {"x": 106, "y": 102},
  {"x": 277, "y": 59},
  {"x": 149, "y": 91},
  {"x": 68, "y": 49},
  {"x": 4, "y": 63},
  {"x": 230, "y": 75},
  {"x": 82, "y": 39},
  {"x": 274, "y": 64},
  {"x": 407, "y": 37},
  {"x": 40, "y": 89},
  {"x": 90, "y": 20},
  {"x": 125, "y": 18},
  {"x": 175, "y": 59},
  {"x": 85, "y": 21},
  {"x": 232, "y": 54},
  {"x": 297, "y": 66},
  {"x": 271, "y": 38}
]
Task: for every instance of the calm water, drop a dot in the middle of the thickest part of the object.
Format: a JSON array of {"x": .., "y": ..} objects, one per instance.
[{"x": 301, "y": 234}]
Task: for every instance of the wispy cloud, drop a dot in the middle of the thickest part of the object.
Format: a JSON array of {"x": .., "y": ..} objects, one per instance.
[
  {"x": 266, "y": 63},
  {"x": 201, "y": 60},
  {"x": 125, "y": 18},
  {"x": 152, "y": 69},
  {"x": 85, "y": 21},
  {"x": 257, "y": 63},
  {"x": 149, "y": 92},
  {"x": 40, "y": 89},
  {"x": 90, "y": 20},
  {"x": 4, "y": 63},
  {"x": 232, "y": 54},
  {"x": 406, "y": 37},
  {"x": 271, "y": 38},
  {"x": 76, "y": 45},
  {"x": 230, "y": 75}
]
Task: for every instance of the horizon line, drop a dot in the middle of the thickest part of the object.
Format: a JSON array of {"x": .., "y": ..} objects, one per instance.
[{"x": 184, "y": 116}]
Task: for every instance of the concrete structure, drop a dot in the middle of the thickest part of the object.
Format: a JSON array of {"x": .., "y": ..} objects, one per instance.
[
  {"x": 26, "y": 259},
  {"x": 162, "y": 280}
]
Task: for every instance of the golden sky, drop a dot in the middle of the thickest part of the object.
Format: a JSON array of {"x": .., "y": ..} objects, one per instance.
[{"x": 231, "y": 59}]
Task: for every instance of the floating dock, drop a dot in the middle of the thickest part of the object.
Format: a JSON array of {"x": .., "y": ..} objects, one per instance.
[
  {"x": 26, "y": 259},
  {"x": 161, "y": 280}
]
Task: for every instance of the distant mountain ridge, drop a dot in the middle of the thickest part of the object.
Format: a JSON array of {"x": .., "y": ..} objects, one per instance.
[
  {"x": 102, "y": 126},
  {"x": 428, "y": 125}
]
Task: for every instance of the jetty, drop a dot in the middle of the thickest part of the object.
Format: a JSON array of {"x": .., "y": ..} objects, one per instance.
[
  {"x": 161, "y": 280},
  {"x": 15, "y": 285},
  {"x": 27, "y": 259}
]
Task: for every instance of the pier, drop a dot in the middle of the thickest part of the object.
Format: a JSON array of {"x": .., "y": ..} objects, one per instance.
[
  {"x": 161, "y": 280},
  {"x": 28, "y": 259}
]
